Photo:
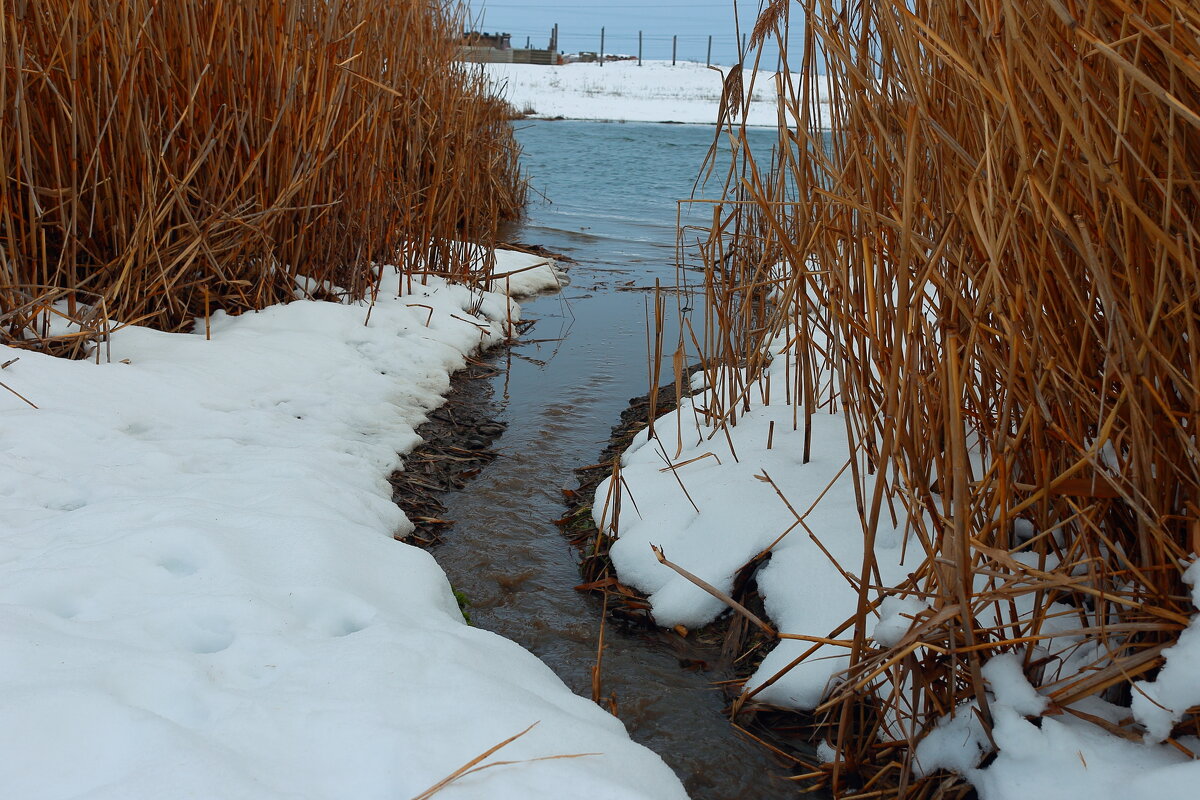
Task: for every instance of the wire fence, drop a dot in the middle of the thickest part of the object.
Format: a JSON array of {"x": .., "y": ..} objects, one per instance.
[{"x": 725, "y": 48}]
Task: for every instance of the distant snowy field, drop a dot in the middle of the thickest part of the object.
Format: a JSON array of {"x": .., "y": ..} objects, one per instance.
[
  {"x": 200, "y": 595},
  {"x": 623, "y": 91}
]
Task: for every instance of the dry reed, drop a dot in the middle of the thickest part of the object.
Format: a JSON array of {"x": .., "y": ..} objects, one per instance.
[
  {"x": 477, "y": 764},
  {"x": 163, "y": 160},
  {"x": 988, "y": 242}
]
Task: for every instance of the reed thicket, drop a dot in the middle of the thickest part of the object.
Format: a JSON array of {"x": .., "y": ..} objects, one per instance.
[
  {"x": 161, "y": 160},
  {"x": 989, "y": 244}
]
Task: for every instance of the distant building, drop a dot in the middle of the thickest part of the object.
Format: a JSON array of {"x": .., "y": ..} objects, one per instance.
[
  {"x": 496, "y": 48},
  {"x": 486, "y": 48},
  {"x": 496, "y": 41}
]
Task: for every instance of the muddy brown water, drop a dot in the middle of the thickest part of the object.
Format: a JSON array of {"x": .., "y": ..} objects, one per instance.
[{"x": 559, "y": 400}]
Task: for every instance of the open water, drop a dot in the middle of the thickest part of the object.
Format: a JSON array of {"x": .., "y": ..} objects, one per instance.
[{"x": 612, "y": 192}]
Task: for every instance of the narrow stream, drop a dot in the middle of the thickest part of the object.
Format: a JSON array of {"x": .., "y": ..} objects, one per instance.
[{"x": 613, "y": 188}]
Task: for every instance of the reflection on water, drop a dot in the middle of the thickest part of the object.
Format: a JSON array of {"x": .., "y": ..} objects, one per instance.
[{"x": 614, "y": 188}]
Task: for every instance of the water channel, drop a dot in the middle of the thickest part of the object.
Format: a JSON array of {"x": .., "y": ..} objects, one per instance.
[{"x": 613, "y": 189}]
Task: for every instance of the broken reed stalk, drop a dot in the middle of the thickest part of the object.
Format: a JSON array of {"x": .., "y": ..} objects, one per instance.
[
  {"x": 475, "y": 765},
  {"x": 715, "y": 592},
  {"x": 597, "y": 673},
  {"x": 978, "y": 233},
  {"x": 165, "y": 158}
]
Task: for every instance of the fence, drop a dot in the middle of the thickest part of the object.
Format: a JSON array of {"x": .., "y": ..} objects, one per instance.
[
  {"x": 483, "y": 54},
  {"x": 607, "y": 45}
]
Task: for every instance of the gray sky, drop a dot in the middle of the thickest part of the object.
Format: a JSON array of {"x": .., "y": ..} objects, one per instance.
[{"x": 579, "y": 23}]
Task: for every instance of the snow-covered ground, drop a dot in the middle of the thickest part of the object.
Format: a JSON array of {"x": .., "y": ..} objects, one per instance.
[
  {"x": 200, "y": 595},
  {"x": 657, "y": 91},
  {"x": 709, "y": 513}
]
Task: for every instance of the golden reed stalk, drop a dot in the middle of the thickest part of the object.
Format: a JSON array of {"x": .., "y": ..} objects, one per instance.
[{"x": 989, "y": 248}]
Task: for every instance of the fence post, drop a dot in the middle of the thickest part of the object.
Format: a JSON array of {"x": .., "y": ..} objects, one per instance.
[
  {"x": 708, "y": 58},
  {"x": 639, "y": 48},
  {"x": 602, "y": 47},
  {"x": 674, "y": 48}
]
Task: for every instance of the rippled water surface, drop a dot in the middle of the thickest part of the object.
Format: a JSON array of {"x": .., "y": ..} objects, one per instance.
[{"x": 613, "y": 189}]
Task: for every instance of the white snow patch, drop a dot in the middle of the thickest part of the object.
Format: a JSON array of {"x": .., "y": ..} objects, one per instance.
[
  {"x": 525, "y": 274},
  {"x": 1012, "y": 689},
  {"x": 622, "y": 91},
  {"x": 1068, "y": 759},
  {"x": 1161, "y": 703},
  {"x": 200, "y": 591},
  {"x": 895, "y": 619},
  {"x": 740, "y": 514}
]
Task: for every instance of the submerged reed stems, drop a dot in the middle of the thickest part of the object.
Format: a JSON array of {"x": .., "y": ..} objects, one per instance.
[{"x": 162, "y": 160}]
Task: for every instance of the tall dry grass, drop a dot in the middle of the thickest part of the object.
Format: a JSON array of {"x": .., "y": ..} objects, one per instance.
[
  {"x": 160, "y": 160},
  {"x": 990, "y": 268}
]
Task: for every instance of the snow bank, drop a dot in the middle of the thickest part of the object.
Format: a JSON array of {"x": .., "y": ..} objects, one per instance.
[
  {"x": 1161, "y": 703},
  {"x": 711, "y": 513},
  {"x": 737, "y": 514},
  {"x": 525, "y": 274},
  {"x": 623, "y": 91},
  {"x": 1046, "y": 753},
  {"x": 201, "y": 594}
]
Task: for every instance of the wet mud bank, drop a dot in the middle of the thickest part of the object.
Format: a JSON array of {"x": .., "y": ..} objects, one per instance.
[{"x": 457, "y": 444}]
